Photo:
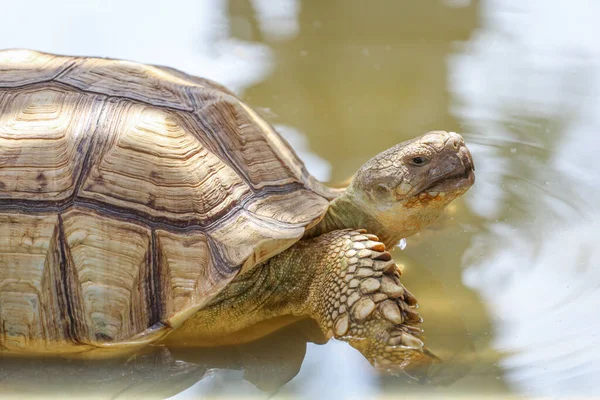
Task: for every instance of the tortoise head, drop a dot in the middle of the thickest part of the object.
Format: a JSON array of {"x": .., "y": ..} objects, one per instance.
[{"x": 407, "y": 187}]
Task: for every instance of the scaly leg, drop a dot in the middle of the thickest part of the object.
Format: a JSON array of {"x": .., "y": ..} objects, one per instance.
[
  {"x": 345, "y": 280},
  {"x": 356, "y": 296}
]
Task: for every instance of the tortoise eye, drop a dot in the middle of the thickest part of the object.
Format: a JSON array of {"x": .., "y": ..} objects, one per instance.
[{"x": 419, "y": 161}]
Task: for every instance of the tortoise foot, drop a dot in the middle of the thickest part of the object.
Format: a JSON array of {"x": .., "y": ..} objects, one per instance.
[{"x": 368, "y": 307}]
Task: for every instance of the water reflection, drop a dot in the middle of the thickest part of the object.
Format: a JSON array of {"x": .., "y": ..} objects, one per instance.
[
  {"x": 258, "y": 368},
  {"x": 154, "y": 373},
  {"x": 160, "y": 371},
  {"x": 532, "y": 93}
]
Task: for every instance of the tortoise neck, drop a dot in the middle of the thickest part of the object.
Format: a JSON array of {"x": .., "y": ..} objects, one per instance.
[{"x": 343, "y": 213}]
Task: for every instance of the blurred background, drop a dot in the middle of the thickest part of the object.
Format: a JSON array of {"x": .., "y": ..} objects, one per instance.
[{"x": 509, "y": 279}]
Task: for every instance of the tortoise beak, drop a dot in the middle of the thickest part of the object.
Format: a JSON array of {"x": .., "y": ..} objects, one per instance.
[{"x": 466, "y": 158}]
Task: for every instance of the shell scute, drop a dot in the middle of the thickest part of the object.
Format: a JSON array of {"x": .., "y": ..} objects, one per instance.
[
  {"x": 130, "y": 80},
  {"x": 108, "y": 276},
  {"x": 188, "y": 274},
  {"x": 150, "y": 163},
  {"x": 31, "y": 311},
  {"x": 258, "y": 153},
  {"x": 19, "y": 67},
  {"x": 40, "y": 141}
]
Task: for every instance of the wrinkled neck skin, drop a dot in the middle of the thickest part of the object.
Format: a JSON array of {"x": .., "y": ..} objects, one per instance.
[{"x": 344, "y": 213}]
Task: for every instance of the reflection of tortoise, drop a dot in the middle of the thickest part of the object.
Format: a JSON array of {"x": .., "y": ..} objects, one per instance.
[{"x": 138, "y": 201}]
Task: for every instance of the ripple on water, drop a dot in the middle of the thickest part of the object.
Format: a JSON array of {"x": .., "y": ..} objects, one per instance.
[{"x": 532, "y": 103}]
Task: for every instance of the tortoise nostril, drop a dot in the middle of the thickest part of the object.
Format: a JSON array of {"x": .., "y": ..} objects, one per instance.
[{"x": 454, "y": 142}]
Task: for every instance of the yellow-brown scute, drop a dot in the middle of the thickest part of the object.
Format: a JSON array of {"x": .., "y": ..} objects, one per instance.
[
  {"x": 149, "y": 162},
  {"x": 40, "y": 140},
  {"x": 32, "y": 309}
]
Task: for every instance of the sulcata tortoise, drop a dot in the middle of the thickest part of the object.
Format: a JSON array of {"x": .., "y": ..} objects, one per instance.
[{"x": 139, "y": 205}]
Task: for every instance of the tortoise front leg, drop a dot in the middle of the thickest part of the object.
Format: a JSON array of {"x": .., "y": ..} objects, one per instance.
[
  {"x": 356, "y": 296},
  {"x": 345, "y": 280}
]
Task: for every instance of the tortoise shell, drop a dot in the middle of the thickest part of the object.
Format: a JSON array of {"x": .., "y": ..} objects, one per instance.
[{"x": 129, "y": 196}]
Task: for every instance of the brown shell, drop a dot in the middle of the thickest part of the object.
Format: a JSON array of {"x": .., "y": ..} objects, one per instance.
[{"x": 129, "y": 196}]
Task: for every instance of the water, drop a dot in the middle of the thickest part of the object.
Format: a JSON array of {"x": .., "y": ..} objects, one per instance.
[{"x": 507, "y": 280}]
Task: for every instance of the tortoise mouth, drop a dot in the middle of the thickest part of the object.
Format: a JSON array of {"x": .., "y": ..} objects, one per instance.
[
  {"x": 450, "y": 183},
  {"x": 460, "y": 179}
]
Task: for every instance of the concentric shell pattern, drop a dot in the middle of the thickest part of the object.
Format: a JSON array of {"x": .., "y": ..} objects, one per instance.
[{"x": 129, "y": 196}]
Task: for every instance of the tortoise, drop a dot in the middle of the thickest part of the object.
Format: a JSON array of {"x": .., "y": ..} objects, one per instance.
[{"x": 140, "y": 204}]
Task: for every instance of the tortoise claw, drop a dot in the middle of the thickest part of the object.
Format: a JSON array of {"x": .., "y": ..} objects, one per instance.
[{"x": 391, "y": 311}]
